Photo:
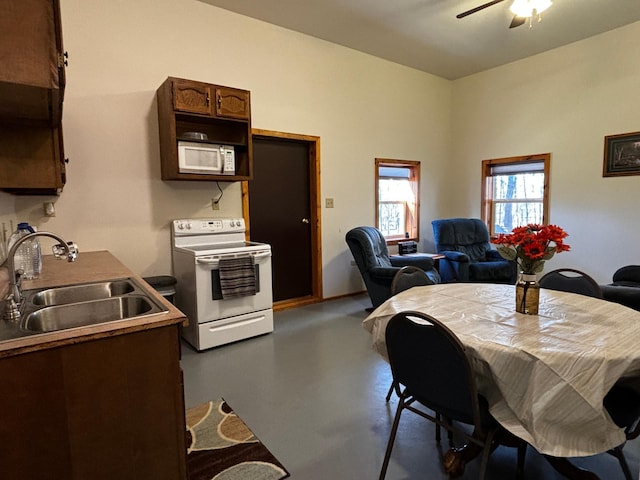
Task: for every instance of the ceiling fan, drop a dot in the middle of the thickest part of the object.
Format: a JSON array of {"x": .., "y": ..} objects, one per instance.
[{"x": 521, "y": 9}]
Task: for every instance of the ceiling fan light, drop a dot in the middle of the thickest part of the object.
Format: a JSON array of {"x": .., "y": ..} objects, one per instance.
[
  {"x": 541, "y": 5},
  {"x": 526, "y": 8}
]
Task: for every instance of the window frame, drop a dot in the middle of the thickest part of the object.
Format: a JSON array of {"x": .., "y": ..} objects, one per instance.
[
  {"x": 487, "y": 201},
  {"x": 412, "y": 220}
]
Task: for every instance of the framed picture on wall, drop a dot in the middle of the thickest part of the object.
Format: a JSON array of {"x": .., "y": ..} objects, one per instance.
[{"x": 621, "y": 155}]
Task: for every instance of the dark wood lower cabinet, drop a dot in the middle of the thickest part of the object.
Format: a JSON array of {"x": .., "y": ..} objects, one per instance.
[{"x": 111, "y": 408}]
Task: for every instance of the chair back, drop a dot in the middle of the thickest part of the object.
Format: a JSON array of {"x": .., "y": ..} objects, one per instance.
[
  {"x": 466, "y": 235},
  {"x": 407, "y": 277},
  {"x": 571, "y": 280},
  {"x": 368, "y": 247},
  {"x": 628, "y": 275},
  {"x": 430, "y": 361}
]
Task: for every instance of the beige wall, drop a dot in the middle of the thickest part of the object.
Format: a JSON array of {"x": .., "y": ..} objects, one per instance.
[
  {"x": 121, "y": 51},
  {"x": 564, "y": 102}
]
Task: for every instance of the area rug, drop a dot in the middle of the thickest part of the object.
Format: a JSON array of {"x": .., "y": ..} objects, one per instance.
[{"x": 222, "y": 447}]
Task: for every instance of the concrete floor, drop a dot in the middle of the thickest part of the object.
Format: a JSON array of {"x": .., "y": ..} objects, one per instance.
[{"x": 313, "y": 391}]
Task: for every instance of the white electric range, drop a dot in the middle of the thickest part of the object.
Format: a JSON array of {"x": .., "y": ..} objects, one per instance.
[{"x": 199, "y": 246}]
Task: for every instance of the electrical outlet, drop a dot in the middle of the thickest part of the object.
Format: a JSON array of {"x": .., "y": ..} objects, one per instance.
[
  {"x": 328, "y": 203},
  {"x": 215, "y": 205},
  {"x": 49, "y": 209}
]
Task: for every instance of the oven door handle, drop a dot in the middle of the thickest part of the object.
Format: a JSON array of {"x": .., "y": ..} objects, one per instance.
[
  {"x": 216, "y": 261},
  {"x": 207, "y": 261}
]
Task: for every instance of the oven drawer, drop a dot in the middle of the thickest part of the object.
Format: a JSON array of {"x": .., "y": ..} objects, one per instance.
[{"x": 220, "y": 332}]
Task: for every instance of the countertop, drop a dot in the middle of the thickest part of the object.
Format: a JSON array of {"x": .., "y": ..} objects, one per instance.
[{"x": 88, "y": 267}]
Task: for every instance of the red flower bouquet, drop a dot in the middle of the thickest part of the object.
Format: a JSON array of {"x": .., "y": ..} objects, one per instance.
[{"x": 532, "y": 245}]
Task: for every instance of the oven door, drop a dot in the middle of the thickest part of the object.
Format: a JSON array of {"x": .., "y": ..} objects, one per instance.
[{"x": 210, "y": 303}]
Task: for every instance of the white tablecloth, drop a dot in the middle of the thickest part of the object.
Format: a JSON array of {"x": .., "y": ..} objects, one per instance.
[{"x": 545, "y": 375}]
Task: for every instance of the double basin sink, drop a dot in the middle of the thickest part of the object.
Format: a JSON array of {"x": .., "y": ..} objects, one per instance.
[{"x": 61, "y": 308}]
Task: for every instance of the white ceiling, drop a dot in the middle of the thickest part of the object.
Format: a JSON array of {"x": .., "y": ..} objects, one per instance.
[{"x": 426, "y": 35}]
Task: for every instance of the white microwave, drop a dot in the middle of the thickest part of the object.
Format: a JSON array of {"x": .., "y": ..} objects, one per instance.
[{"x": 206, "y": 158}]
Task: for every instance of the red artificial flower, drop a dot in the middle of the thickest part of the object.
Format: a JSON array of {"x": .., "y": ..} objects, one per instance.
[{"x": 531, "y": 245}]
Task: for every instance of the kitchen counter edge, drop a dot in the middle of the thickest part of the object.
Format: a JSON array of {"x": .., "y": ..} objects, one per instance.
[{"x": 89, "y": 267}]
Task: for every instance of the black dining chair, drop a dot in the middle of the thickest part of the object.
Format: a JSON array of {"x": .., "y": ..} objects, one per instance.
[
  {"x": 408, "y": 277},
  {"x": 432, "y": 366},
  {"x": 623, "y": 404},
  {"x": 625, "y": 288},
  {"x": 572, "y": 281}
]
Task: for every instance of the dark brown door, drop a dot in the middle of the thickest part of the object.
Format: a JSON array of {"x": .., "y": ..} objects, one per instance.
[{"x": 280, "y": 212}]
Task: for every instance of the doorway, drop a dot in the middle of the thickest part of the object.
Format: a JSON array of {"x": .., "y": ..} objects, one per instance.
[{"x": 281, "y": 207}]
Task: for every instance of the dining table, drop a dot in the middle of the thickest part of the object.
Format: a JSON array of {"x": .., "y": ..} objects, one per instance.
[{"x": 544, "y": 376}]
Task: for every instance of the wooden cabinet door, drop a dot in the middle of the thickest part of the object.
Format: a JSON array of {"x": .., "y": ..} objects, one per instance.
[
  {"x": 31, "y": 159},
  {"x": 111, "y": 408},
  {"x": 232, "y": 103},
  {"x": 32, "y": 78},
  {"x": 192, "y": 97}
]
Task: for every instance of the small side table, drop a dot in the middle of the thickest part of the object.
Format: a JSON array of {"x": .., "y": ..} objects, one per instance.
[{"x": 434, "y": 256}]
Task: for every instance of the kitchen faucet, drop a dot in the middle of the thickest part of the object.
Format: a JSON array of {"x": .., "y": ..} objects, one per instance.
[{"x": 13, "y": 298}]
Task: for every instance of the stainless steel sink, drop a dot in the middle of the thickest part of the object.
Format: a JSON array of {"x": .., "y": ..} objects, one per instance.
[
  {"x": 82, "y": 293},
  {"x": 62, "y": 317},
  {"x": 86, "y": 304}
]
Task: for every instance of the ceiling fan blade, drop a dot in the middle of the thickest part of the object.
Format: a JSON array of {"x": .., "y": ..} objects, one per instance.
[
  {"x": 477, "y": 9},
  {"x": 517, "y": 21}
]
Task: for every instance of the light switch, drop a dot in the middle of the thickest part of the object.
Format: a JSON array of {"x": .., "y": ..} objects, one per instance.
[{"x": 329, "y": 203}]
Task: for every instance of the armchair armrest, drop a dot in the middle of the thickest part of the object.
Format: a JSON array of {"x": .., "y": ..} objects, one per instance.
[
  {"x": 456, "y": 256},
  {"x": 383, "y": 273},
  {"x": 494, "y": 256}
]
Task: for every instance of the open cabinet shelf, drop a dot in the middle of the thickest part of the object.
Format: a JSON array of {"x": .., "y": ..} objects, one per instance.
[{"x": 222, "y": 113}]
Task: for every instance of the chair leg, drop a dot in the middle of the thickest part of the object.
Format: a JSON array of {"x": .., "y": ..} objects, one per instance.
[
  {"x": 392, "y": 439},
  {"x": 486, "y": 451},
  {"x": 619, "y": 454},
  {"x": 393, "y": 384},
  {"x": 449, "y": 432},
  {"x": 522, "y": 452}
]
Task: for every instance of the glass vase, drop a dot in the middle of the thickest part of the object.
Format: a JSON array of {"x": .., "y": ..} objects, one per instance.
[{"x": 527, "y": 294}]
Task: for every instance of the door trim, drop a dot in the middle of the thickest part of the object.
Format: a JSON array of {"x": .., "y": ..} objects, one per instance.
[{"x": 314, "y": 202}]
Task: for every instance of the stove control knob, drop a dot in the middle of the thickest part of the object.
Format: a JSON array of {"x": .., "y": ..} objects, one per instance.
[
  {"x": 179, "y": 225},
  {"x": 188, "y": 226}
]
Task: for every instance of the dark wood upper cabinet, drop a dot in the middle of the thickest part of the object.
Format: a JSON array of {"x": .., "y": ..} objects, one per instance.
[
  {"x": 222, "y": 113},
  {"x": 31, "y": 160},
  {"x": 32, "y": 77},
  {"x": 32, "y": 83}
]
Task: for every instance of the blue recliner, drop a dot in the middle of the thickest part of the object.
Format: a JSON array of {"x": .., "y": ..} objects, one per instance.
[
  {"x": 370, "y": 252},
  {"x": 468, "y": 254}
]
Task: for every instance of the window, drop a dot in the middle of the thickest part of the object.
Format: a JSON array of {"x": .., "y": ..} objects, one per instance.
[
  {"x": 397, "y": 199},
  {"x": 515, "y": 192}
]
